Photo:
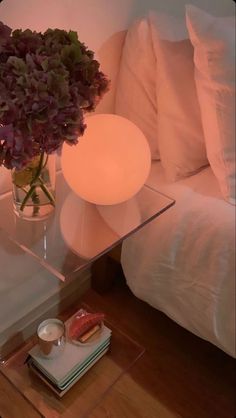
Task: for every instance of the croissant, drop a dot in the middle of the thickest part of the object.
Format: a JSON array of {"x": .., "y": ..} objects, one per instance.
[{"x": 82, "y": 324}]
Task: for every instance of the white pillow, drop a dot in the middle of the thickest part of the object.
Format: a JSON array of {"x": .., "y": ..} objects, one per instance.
[
  {"x": 214, "y": 55},
  {"x": 135, "y": 93},
  {"x": 179, "y": 128}
]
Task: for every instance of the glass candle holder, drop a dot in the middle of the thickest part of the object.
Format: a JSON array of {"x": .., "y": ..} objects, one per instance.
[{"x": 51, "y": 337}]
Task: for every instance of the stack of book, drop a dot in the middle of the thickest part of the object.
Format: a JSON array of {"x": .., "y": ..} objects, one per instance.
[{"x": 62, "y": 372}]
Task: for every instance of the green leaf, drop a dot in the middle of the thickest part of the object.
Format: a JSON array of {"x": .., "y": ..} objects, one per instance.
[
  {"x": 18, "y": 64},
  {"x": 21, "y": 81},
  {"x": 23, "y": 178},
  {"x": 34, "y": 163},
  {"x": 41, "y": 119},
  {"x": 73, "y": 36},
  {"x": 71, "y": 54},
  {"x": 44, "y": 64}
]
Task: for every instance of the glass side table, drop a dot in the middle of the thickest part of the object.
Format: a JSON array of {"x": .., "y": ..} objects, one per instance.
[
  {"x": 34, "y": 256},
  {"x": 79, "y": 232}
]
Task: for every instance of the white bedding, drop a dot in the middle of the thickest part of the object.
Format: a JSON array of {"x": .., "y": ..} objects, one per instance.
[{"x": 183, "y": 263}]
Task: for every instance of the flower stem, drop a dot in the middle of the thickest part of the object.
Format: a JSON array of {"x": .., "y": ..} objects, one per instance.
[
  {"x": 39, "y": 169},
  {"x": 27, "y": 196},
  {"x": 31, "y": 191},
  {"x": 47, "y": 192}
]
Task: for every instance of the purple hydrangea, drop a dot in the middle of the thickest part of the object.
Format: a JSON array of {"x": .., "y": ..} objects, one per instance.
[{"x": 47, "y": 82}]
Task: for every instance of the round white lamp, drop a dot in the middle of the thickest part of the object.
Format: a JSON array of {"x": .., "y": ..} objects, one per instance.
[{"x": 110, "y": 163}]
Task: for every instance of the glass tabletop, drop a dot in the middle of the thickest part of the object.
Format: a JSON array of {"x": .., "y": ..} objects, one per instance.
[{"x": 79, "y": 232}]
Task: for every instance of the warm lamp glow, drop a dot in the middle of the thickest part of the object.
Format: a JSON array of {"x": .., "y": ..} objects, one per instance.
[
  {"x": 88, "y": 229},
  {"x": 121, "y": 218},
  {"x": 78, "y": 221},
  {"x": 110, "y": 163}
]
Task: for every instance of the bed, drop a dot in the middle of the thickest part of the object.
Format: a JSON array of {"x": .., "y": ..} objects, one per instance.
[{"x": 183, "y": 263}]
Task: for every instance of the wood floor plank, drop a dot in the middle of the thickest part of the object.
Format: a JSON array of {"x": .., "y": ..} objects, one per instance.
[
  {"x": 188, "y": 377},
  {"x": 178, "y": 376},
  {"x": 128, "y": 399},
  {"x": 13, "y": 404}
]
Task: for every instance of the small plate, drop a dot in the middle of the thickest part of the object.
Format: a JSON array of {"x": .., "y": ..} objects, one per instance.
[{"x": 92, "y": 340}]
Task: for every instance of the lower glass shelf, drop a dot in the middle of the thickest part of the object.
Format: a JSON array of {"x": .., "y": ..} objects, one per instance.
[{"x": 80, "y": 400}]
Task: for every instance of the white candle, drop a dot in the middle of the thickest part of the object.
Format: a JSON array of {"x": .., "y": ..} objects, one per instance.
[
  {"x": 51, "y": 337},
  {"x": 51, "y": 332}
]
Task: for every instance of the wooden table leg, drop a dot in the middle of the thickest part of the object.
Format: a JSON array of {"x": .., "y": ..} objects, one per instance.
[{"x": 105, "y": 270}]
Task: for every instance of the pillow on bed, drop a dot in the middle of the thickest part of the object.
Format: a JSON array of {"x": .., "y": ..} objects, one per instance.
[
  {"x": 135, "y": 92},
  {"x": 214, "y": 55},
  {"x": 179, "y": 128}
]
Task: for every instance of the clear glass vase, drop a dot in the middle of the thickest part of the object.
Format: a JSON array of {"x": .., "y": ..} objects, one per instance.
[{"x": 34, "y": 188}]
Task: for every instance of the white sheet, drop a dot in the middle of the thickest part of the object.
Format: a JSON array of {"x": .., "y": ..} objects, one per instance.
[{"x": 183, "y": 262}]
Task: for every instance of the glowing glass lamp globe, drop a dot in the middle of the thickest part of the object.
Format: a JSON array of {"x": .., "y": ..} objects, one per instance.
[{"x": 110, "y": 163}]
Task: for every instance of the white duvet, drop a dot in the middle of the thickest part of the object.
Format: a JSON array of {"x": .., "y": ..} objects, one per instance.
[{"x": 183, "y": 263}]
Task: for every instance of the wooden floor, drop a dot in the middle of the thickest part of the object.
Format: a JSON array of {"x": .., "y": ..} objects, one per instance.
[{"x": 179, "y": 375}]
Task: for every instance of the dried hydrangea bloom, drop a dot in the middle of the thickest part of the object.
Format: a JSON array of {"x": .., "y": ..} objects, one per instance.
[{"x": 47, "y": 82}]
